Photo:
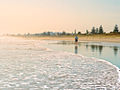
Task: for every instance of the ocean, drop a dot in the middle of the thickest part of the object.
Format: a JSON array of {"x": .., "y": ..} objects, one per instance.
[{"x": 34, "y": 65}]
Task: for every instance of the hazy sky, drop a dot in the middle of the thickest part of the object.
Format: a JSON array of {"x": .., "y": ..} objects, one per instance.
[{"x": 34, "y": 16}]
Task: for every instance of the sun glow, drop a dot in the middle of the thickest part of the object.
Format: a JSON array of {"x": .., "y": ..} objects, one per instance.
[{"x": 43, "y": 15}]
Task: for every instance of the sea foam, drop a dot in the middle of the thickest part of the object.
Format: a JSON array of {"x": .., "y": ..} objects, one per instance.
[{"x": 27, "y": 64}]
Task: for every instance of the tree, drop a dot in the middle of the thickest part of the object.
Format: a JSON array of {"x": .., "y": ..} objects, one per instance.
[
  {"x": 63, "y": 33},
  {"x": 79, "y": 33},
  {"x": 44, "y": 33},
  {"x": 116, "y": 29},
  {"x": 48, "y": 33},
  {"x": 93, "y": 30},
  {"x": 101, "y": 30},
  {"x": 96, "y": 31},
  {"x": 87, "y": 32}
]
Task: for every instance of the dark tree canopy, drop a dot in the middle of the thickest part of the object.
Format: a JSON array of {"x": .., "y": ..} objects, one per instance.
[
  {"x": 116, "y": 30},
  {"x": 101, "y": 30},
  {"x": 97, "y": 31},
  {"x": 79, "y": 33},
  {"x": 63, "y": 33},
  {"x": 87, "y": 32},
  {"x": 93, "y": 30}
]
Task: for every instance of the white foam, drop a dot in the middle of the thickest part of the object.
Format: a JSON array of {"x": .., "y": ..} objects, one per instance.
[{"x": 39, "y": 68}]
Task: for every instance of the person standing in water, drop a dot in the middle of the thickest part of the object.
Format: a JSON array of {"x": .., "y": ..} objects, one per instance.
[
  {"x": 76, "y": 44},
  {"x": 76, "y": 39}
]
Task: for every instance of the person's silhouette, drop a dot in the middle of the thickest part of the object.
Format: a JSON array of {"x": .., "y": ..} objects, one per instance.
[{"x": 76, "y": 39}]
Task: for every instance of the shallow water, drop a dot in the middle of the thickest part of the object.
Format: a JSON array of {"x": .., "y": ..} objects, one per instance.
[
  {"x": 102, "y": 50},
  {"x": 29, "y": 65}
]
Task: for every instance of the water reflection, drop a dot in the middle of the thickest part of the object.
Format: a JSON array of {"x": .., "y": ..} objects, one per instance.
[
  {"x": 76, "y": 49},
  {"x": 107, "y": 51},
  {"x": 99, "y": 48},
  {"x": 86, "y": 46},
  {"x": 115, "y": 50},
  {"x": 95, "y": 48}
]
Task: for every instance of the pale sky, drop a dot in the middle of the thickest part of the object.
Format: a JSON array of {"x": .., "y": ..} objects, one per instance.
[{"x": 35, "y": 16}]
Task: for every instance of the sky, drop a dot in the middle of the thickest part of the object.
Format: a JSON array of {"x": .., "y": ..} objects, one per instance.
[{"x": 36, "y": 16}]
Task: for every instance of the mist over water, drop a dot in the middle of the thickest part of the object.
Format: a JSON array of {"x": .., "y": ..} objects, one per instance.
[{"x": 28, "y": 64}]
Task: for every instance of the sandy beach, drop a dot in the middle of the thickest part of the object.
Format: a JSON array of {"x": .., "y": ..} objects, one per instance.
[{"x": 93, "y": 38}]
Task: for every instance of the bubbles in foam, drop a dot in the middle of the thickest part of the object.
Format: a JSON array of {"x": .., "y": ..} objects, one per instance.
[{"x": 37, "y": 68}]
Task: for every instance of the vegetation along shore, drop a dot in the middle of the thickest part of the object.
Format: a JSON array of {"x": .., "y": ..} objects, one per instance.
[{"x": 96, "y": 35}]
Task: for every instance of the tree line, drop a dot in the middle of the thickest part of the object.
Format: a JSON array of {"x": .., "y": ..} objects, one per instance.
[
  {"x": 101, "y": 31},
  {"x": 93, "y": 31}
]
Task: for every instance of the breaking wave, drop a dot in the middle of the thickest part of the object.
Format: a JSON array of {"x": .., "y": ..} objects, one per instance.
[{"x": 26, "y": 64}]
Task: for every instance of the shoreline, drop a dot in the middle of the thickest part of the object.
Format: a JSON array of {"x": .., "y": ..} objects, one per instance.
[
  {"x": 87, "y": 38},
  {"x": 106, "y": 39},
  {"x": 62, "y": 60},
  {"x": 105, "y": 62}
]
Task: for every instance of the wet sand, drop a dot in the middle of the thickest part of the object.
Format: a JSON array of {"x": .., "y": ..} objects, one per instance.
[{"x": 93, "y": 38}]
